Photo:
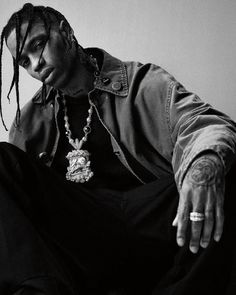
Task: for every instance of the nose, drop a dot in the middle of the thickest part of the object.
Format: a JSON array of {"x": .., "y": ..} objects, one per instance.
[{"x": 37, "y": 63}]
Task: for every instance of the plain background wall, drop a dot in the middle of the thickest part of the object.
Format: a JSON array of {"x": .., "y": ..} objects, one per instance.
[{"x": 195, "y": 40}]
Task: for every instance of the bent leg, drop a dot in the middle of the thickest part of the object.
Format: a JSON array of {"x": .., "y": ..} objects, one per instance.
[
  {"x": 24, "y": 257},
  {"x": 49, "y": 228}
]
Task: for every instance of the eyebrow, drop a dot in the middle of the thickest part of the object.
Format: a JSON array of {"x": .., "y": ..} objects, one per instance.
[{"x": 29, "y": 44}]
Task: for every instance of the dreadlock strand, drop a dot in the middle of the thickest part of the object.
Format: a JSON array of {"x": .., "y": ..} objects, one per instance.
[
  {"x": 45, "y": 18},
  {"x": 12, "y": 82},
  {"x": 31, "y": 14},
  {"x": 16, "y": 66},
  {"x": 30, "y": 9},
  {"x": 85, "y": 58},
  {"x": 28, "y": 13},
  {"x": 1, "y": 51},
  {"x": 47, "y": 24},
  {"x": 57, "y": 14},
  {"x": 15, "y": 78}
]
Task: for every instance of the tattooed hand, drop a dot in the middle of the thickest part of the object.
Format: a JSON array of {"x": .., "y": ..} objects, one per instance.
[{"x": 202, "y": 191}]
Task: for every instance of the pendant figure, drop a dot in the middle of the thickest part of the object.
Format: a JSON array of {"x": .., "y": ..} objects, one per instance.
[{"x": 79, "y": 166}]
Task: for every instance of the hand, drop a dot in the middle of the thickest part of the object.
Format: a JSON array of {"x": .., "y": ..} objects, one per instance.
[{"x": 202, "y": 191}]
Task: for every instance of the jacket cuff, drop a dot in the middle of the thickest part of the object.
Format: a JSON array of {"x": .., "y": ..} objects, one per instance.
[{"x": 226, "y": 158}]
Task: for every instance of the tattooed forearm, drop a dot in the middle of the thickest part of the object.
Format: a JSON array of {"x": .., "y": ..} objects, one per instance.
[{"x": 205, "y": 171}]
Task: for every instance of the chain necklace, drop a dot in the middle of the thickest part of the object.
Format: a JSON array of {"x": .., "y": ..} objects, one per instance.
[{"x": 79, "y": 169}]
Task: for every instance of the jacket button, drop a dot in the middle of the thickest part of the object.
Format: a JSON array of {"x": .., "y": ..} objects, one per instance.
[
  {"x": 117, "y": 153},
  {"x": 116, "y": 86},
  {"x": 44, "y": 157}
]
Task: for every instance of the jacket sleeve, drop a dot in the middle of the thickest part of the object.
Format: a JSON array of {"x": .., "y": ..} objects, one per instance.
[
  {"x": 15, "y": 137},
  {"x": 197, "y": 127},
  {"x": 17, "y": 134}
]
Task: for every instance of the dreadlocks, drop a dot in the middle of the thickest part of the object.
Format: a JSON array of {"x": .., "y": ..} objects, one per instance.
[{"x": 28, "y": 14}]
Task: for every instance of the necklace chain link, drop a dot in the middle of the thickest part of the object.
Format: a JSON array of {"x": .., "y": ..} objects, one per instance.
[
  {"x": 79, "y": 164},
  {"x": 76, "y": 143}
]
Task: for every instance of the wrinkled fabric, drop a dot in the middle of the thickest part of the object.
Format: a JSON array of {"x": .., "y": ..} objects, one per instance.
[
  {"x": 59, "y": 238},
  {"x": 149, "y": 115}
]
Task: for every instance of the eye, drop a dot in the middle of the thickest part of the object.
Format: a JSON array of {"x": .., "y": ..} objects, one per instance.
[
  {"x": 38, "y": 44},
  {"x": 24, "y": 63}
]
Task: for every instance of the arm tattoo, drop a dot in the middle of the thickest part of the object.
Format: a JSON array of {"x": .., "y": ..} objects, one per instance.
[{"x": 206, "y": 171}]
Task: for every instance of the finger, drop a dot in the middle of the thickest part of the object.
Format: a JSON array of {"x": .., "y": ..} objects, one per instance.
[
  {"x": 175, "y": 221},
  {"x": 207, "y": 227},
  {"x": 183, "y": 221},
  {"x": 219, "y": 222},
  {"x": 209, "y": 219},
  {"x": 196, "y": 226},
  {"x": 196, "y": 230}
]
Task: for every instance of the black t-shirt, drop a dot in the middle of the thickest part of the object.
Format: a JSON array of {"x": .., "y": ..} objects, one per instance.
[{"x": 109, "y": 172}]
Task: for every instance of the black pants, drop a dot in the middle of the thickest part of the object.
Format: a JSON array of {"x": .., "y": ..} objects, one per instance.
[{"x": 60, "y": 238}]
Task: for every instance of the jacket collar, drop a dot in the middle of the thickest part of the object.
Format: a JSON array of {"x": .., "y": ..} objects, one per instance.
[{"x": 113, "y": 77}]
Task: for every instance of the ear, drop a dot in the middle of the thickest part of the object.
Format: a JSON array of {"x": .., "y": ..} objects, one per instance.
[{"x": 66, "y": 31}]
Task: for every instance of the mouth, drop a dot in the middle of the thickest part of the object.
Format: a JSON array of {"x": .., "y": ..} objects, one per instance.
[{"x": 46, "y": 75}]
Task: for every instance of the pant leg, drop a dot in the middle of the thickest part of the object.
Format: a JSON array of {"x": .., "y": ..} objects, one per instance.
[
  {"x": 149, "y": 212},
  {"x": 53, "y": 233}
]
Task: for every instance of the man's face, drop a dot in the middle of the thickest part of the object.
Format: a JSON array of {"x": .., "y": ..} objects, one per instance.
[{"x": 55, "y": 66}]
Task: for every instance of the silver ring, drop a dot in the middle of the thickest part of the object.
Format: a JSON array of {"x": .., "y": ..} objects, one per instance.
[{"x": 196, "y": 216}]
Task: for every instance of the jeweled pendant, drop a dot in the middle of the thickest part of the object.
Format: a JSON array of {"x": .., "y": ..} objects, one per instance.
[{"x": 79, "y": 166}]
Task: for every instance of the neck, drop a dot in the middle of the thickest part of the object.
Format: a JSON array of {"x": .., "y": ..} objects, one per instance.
[{"x": 81, "y": 80}]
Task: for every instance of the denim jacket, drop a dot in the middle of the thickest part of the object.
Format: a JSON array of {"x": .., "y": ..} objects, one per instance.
[{"x": 149, "y": 115}]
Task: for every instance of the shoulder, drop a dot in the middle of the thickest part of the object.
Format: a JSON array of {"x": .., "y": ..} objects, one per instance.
[
  {"x": 149, "y": 77},
  {"x": 39, "y": 99},
  {"x": 151, "y": 84},
  {"x": 30, "y": 115}
]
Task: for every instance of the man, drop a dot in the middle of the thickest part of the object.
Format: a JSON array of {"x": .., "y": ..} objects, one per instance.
[{"x": 114, "y": 154}]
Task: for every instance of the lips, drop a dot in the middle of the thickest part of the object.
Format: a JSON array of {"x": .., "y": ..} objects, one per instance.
[{"x": 45, "y": 74}]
